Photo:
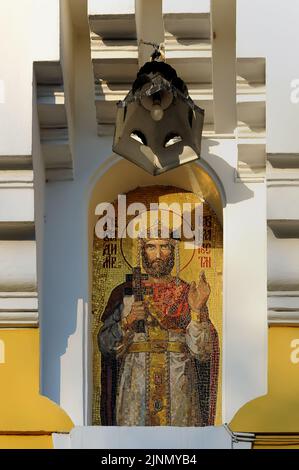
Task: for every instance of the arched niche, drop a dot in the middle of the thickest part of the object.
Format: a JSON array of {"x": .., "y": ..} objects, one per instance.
[{"x": 122, "y": 177}]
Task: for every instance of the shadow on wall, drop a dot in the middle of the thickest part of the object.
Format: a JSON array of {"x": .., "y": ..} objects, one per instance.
[{"x": 235, "y": 192}]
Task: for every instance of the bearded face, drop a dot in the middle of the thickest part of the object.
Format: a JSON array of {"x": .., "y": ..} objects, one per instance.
[{"x": 157, "y": 257}]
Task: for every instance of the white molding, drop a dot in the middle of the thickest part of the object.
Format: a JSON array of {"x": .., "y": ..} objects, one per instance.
[
  {"x": 251, "y": 90},
  {"x": 282, "y": 165},
  {"x": 283, "y": 259},
  {"x": 16, "y": 202},
  {"x": 283, "y": 183},
  {"x": 54, "y": 134},
  {"x": 283, "y": 317},
  {"x": 240, "y": 440},
  {"x": 251, "y": 160},
  {"x": 50, "y": 95},
  {"x": 141, "y": 437},
  {"x": 113, "y": 25},
  {"x": 281, "y": 175},
  {"x": 73, "y": 369},
  {"x": 19, "y": 177},
  {"x": 18, "y": 265},
  {"x": 61, "y": 440},
  {"x": 283, "y": 301},
  {"x": 251, "y": 114},
  {"x": 195, "y": 49},
  {"x": 16, "y": 185},
  {"x": 54, "y": 102},
  {"x": 18, "y": 309},
  {"x": 87, "y": 365},
  {"x": 283, "y": 293},
  {"x": 17, "y": 230},
  {"x": 251, "y": 70},
  {"x": 57, "y": 154},
  {"x": 284, "y": 228},
  {"x": 18, "y": 295},
  {"x": 251, "y": 95},
  {"x": 247, "y": 177},
  {"x": 282, "y": 200},
  {"x": 59, "y": 174},
  {"x": 13, "y": 161},
  {"x": 48, "y": 72},
  {"x": 112, "y": 48},
  {"x": 18, "y": 319},
  {"x": 18, "y": 304},
  {"x": 187, "y": 24},
  {"x": 119, "y": 54}
]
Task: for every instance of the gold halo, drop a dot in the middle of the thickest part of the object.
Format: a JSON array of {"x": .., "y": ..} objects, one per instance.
[{"x": 133, "y": 240}]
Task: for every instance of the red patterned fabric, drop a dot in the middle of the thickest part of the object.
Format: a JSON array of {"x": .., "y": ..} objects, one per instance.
[{"x": 171, "y": 301}]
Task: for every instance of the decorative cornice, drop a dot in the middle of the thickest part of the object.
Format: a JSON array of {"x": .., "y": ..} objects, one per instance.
[
  {"x": 284, "y": 228},
  {"x": 280, "y": 183},
  {"x": 18, "y": 319},
  {"x": 59, "y": 174},
  {"x": 21, "y": 162},
  {"x": 283, "y": 317},
  {"x": 16, "y": 176},
  {"x": 55, "y": 114},
  {"x": 18, "y": 309}
]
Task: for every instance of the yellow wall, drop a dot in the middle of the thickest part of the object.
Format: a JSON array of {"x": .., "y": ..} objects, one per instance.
[
  {"x": 278, "y": 411},
  {"x": 26, "y": 442},
  {"x": 22, "y": 409}
]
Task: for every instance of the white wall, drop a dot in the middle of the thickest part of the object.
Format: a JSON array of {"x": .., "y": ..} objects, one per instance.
[
  {"x": 29, "y": 30},
  {"x": 39, "y": 207},
  {"x": 18, "y": 266},
  {"x": 45, "y": 29},
  {"x": 66, "y": 274},
  {"x": 152, "y": 438},
  {"x": 16, "y": 73},
  {"x": 245, "y": 282},
  {"x": 269, "y": 28},
  {"x": 67, "y": 39},
  {"x": 17, "y": 202}
]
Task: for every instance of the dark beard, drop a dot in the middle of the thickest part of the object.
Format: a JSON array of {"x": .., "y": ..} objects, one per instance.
[{"x": 157, "y": 268}]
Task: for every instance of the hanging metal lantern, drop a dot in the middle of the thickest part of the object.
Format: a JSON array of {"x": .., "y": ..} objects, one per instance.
[{"x": 158, "y": 126}]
